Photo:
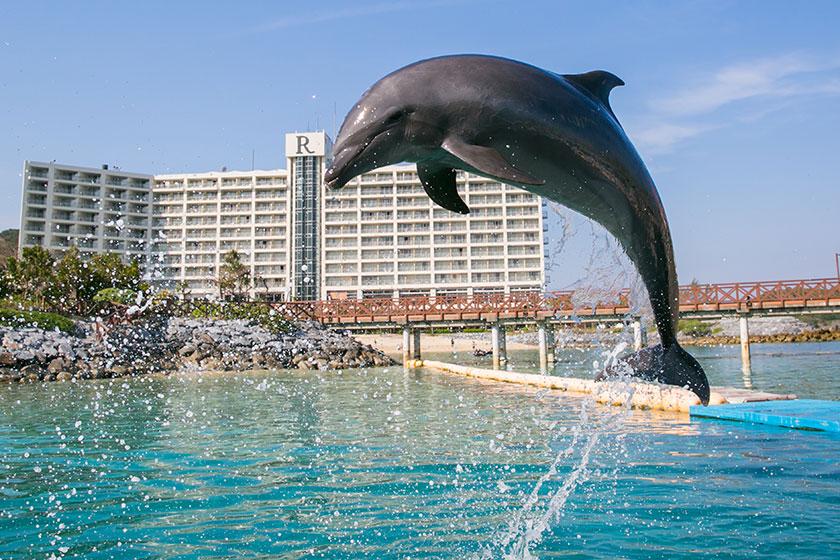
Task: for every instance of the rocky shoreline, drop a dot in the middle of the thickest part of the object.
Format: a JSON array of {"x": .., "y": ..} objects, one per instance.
[
  {"x": 175, "y": 344},
  {"x": 763, "y": 330},
  {"x": 820, "y": 335}
]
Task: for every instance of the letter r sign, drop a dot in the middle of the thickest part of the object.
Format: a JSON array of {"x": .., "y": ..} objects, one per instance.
[{"x": 302, "y": 144}]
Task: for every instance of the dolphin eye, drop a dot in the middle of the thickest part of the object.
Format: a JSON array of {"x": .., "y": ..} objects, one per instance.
[{"x": 394, "y": 118}]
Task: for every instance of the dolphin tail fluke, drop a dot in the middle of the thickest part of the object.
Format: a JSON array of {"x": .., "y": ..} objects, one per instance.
[{"x": 671, "y": 365}]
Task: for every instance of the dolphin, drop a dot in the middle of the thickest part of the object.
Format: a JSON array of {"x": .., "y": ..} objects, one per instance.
[{"x": 550, "y": 134}]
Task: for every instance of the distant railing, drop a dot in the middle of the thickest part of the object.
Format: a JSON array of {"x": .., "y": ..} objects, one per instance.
[{"x": 739, "y": 296}]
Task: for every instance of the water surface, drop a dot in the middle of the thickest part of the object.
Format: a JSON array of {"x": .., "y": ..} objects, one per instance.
[{"x": 388, "y": 464}]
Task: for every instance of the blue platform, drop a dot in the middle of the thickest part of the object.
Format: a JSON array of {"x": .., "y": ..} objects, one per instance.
[{"x": 801, "y": 414}]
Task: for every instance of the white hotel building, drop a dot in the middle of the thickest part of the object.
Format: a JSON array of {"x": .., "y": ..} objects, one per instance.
[{"x": 380, "y": 236}]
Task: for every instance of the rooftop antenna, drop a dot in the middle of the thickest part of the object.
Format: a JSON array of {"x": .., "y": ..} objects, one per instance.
[
  {"x": 252, "y": 158},
  {"x": 333, "y": 126}
]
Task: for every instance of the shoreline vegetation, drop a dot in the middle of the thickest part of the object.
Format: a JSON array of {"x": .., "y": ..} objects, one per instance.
[{"x": 73, "y": 318}]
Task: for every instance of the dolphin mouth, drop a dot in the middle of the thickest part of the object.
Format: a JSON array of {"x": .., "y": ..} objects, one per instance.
[{"x": 341, "y": 168}]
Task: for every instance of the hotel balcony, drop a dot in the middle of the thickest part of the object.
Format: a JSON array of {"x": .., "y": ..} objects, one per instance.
[
  {"x": 341, "y": 255},
  {"x": 269, "y": 257},
  {"x": 452, "y": 252},
  {"x": 378, "y": 267},
  {"x": 531, "y": 276},
  {"x": 412, "y": 253},
  {"x": 485, "y": 200},
  {"x": 450, "y": 265},
  {"x": 451, "y": 278},
  {"x": 450, "y": 226},
  {"x": 37, "y": 186},
  {"x": 492, "y": 264},
  {"x": 378, "y": 280},
  {"x": 370, "y": 254},
  {"x": 413, "y": 267},
  {"x": 340, "y": 281},
  {"x": 453, "y": 239},
  {"x": 486, "y": 238},
  {"x": 342, "y": 268},
  {"x": 519, "y": 237}
]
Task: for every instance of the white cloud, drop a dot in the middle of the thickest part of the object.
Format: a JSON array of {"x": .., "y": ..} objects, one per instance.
[
  {"x": 660, "y": 137},
  {"x": 692, "y": 109}
]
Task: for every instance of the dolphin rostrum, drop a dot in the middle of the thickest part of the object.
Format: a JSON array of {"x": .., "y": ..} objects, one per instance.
[{"x": 553, "y": 135}]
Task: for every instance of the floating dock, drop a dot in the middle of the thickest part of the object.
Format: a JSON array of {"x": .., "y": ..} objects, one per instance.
[
  {"x": 727, "y": 403},
  {"x": 801, "y": 414},
  {"x": 652, "y": 396}
]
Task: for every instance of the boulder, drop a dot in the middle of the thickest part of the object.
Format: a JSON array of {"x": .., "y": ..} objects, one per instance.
[
  {"x": 32, "y": 371},
  {"x": 56, "y": 365}
]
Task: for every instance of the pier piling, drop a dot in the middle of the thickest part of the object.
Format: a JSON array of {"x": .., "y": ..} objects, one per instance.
[
  {"x": 746, "y": 365},
  {"x": 639, "y": 334},
  {"x": 406, "y": 343},
  {"x": 545, "y": 335},
  {"x": 497, "y": 334},
  {"x": 416, "y": 344}
]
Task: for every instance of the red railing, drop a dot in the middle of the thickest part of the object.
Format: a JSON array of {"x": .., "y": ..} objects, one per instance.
[
  {"x": 786, "y": 294},
  {"x": 820, "y": 292}
]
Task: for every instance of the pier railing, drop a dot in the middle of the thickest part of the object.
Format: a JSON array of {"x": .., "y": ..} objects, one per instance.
[{"x": 726, "y": 297}]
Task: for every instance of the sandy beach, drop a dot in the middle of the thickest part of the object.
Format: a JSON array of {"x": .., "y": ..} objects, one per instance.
[{"x": 391, "y": 344}]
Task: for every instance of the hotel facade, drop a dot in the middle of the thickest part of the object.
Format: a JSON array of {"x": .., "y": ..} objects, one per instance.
[{"x": 379, "y": 236}]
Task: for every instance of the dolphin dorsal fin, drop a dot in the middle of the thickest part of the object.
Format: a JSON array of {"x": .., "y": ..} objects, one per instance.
[{"x": 599, "y": 83}]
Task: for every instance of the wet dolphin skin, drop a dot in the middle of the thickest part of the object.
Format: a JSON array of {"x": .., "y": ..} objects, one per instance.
[{"x": 553, "y": 135}]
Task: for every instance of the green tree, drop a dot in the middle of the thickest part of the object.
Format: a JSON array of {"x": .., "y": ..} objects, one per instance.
[
  {"x": 36, "y": 280},
  {"x": 67, "y": 292},
  {"x": 30, "y": 276},
  {"x": 234, "y": 277}
]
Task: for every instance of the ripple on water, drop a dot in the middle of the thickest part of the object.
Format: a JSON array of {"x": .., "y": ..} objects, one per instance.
[{"x": 387, "y": 464}]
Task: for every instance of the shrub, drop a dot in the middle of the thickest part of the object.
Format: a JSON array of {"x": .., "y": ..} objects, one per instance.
[
  {"x": 694, "y": 328},
  {"x": 47, "y": 321},
  {"x": 116, "y": 296}
]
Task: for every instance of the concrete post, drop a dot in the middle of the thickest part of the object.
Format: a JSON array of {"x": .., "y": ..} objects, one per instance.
[
  {"x": 746, "y": 365},
  {"x": 495, "y": 340},
  {"x": 639, "y": 334},
  {"x": 545, "y": 345},
  {"x": 417, "y": 344},
  {"x": 549, "y": 339},
  {"x": 406, "y": 350},
  {"x": 502, "y": 347}
]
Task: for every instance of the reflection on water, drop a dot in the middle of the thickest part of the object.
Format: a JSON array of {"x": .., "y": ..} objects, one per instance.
[{"x": 388, "y": 464}]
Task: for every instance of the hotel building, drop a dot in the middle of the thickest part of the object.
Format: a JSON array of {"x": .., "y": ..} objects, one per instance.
[{"x": 379, "y": 236}]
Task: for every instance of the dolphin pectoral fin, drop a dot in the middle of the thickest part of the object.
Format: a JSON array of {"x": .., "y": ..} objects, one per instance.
[
  {"x": 488, "y": 161},
  {"x": 439, "y": 183}
]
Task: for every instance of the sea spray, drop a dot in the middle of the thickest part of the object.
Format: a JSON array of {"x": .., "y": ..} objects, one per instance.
[{"x": 538, "y": 513}]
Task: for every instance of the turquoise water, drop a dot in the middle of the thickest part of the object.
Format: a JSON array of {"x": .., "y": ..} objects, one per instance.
[{"x": 388, "y": 464}]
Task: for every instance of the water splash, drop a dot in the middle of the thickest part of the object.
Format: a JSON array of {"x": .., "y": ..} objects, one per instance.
[{"x": 542, "y": 510}]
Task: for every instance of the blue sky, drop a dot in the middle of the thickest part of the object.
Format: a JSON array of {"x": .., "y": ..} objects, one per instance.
[{"x": 735, "y": 106}]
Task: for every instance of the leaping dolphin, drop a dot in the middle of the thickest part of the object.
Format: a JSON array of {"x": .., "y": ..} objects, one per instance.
[{"x": 553, "y": 135}]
